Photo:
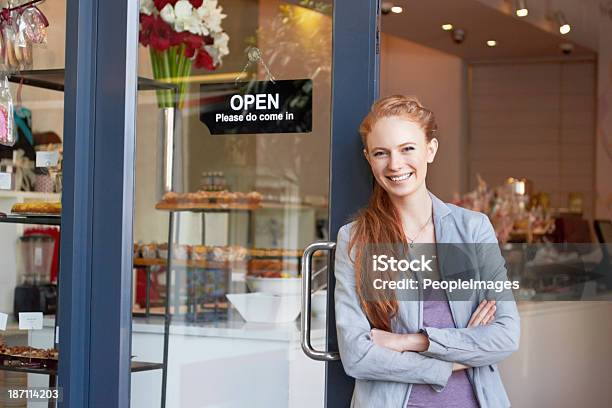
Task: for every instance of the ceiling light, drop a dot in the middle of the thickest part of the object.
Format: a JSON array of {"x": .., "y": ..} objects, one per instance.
[
  {"x": 447, "y": 27},
  {"x": 521, "y": 8},
  {"x": 491, "y": 43},
  {"x": 396, "y": 9},
  {"x": 564, "y": 26}
]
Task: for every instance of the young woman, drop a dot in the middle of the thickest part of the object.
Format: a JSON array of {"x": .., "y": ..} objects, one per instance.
[{"x": 434, "y": 351}]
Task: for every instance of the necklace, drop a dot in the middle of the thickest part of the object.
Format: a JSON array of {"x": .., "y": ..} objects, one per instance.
[{"x": 418, "y": 233}]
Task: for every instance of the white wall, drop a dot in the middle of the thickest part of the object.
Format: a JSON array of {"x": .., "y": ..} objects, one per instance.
[
  {"x": 535, "y": 120},
  {"x": 438, "y": 80}
]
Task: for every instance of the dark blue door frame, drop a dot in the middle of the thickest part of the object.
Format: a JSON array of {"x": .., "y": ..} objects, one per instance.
[
  {"x": 97, "y": 201},
  {"x": 99, "y": 130},
  {"x": 355, "y": 83}
]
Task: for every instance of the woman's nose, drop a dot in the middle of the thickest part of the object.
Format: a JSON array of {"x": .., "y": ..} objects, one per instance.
[{"x": 395, "y": 161}]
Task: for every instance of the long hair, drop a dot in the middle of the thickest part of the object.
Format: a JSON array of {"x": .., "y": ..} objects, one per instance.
[{"x": 380, "y": 223}]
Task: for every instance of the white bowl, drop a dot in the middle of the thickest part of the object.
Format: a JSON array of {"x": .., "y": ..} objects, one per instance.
[
  {"x": 277, "y": 286},
  {"x": 318, "y": 303},
  {"x": 265, "y": 307}
]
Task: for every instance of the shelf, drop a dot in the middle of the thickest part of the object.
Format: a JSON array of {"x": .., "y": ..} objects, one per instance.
[
  {"x": 30, "y": 219},
  {"x": 53, "y": 79},
  {"x": 45, "y": 371},
  {"x": 137, "y": 366},
  {"x": 197, "y": 207},
  {"x": 30, "y": 195},
  {"x": 182, "y": 262}
]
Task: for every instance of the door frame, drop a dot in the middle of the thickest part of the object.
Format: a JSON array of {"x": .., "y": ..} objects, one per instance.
[
  {"x": 354, "y": 22},
  {"x": 97, "y": 201}
]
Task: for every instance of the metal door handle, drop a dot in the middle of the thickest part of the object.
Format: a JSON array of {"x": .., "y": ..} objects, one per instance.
[
  {"x": 168, "y": 150},
  {"x": 305, "y": 315}
]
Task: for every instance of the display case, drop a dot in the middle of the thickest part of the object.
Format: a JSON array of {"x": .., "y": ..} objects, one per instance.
[
  {"x": 53, "y": 79},
  {"x": 202, "y": 275}
]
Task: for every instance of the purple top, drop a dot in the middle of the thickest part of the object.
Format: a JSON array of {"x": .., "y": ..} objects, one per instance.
[{"x": 458, "y": 392}]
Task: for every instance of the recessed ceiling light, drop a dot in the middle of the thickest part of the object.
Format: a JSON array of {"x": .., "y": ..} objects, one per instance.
[
  {"x": 447, "y": 27},
  {"x": 491, "y": 43},
  {"x": 521, "y": 8},
  {"x": 564, "y": 26},
  {"x": 396, "y": 9}
]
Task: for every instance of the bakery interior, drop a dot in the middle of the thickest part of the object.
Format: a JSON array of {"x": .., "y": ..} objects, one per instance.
[{"x": 525, "y": 127}]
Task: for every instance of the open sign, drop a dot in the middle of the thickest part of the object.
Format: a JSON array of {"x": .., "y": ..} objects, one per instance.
[{"x": 257, "y": 107}]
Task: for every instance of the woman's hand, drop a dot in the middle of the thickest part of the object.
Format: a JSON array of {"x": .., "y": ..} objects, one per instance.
[{"x": 484, "y": 314}]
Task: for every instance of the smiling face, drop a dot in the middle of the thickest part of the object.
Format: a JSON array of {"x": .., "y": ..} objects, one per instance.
[{"x": 398, "y": 152}]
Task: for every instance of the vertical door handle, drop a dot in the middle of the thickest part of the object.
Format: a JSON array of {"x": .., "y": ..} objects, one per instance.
[
  {"x": 168, "y": 149},
  {"x": 306, "y": 288}
]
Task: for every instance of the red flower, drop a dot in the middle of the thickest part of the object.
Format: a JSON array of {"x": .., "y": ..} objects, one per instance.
[
  {"x": 192, "y": 43},
  {"x": 160, "y": 35},
  {"x": 176, "y": 38},
  {"x": 196, "y": 3},
  {"x": 146, "y": 29},
  {"x": 208, "y": 40},
  {"x": 193, "y": 40},
  {"x": 204, "y": 60},
  {"x": 160, "y": 4}
]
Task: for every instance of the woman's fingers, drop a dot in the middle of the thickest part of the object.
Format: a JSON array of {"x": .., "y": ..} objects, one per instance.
[
  {"x": 483, "y": 313},
  {"x": 482, "y": 304},
  {"x": 490, "y": 316}
]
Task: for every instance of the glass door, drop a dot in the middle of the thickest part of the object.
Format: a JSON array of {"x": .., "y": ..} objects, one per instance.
[{"x": 232, "y": 183}]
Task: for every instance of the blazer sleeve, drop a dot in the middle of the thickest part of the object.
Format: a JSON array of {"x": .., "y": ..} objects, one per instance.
[
  {"x": 481, "y": 345},
  {"x": 361, "y": 358}
]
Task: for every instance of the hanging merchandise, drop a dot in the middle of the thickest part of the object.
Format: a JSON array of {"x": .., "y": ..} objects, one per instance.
[
  {"x": 22, "y": 26},
  {"x": 11, "y": 63},
  {"x": 7, "y": 136},
  {"x": 35, "y": 25}
]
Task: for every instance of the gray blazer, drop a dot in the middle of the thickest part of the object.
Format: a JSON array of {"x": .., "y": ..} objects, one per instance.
[{"x": 384, "y": 377}]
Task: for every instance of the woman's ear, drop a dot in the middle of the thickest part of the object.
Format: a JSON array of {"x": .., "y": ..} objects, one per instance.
[
  {"x": 432, "y": 149},
  {"x": 365, "y": 153}
]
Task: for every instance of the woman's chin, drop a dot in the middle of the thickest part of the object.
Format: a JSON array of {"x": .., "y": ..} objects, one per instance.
[{"x": 401, "y": 191}]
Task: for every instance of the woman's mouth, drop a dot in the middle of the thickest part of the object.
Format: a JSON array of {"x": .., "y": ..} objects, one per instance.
[{"x": 400, "y": 177}]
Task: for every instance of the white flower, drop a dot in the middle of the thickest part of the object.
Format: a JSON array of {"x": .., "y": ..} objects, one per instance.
[
  {"x": 214, "y": 53},
  {"x": 147, "y": 7},
  {"x": 167, "y": 14},
  {"x": 182, "y": 9},
  {"x": 219, "y": 49},
  {"x": 221, "y": 43},
  {"x": 211, "y": 15},
  {"x": 194, "y": 25}
]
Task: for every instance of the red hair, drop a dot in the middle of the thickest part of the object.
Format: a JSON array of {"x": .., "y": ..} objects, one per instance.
[{"x": 380, "y": 222}]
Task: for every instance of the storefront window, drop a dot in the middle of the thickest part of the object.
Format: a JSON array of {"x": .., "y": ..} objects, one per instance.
[
  {"x": 245, "y": 201},
  {"x": 31, "y": 135}
]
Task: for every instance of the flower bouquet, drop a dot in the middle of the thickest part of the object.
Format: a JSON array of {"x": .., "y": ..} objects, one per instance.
[{"x": 179, "y": 34}]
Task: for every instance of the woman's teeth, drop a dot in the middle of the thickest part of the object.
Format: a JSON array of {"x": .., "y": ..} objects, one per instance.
[{"x": 400, "y": 178}]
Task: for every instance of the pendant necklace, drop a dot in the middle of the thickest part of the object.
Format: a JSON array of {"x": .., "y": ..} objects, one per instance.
[{"x": 411, "y": 244}]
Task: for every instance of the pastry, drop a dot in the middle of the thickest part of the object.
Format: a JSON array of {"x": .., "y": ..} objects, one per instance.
[
  {"x": 149, "y": 251},
  {"x": 170, "y": 197},
  {"x": 253, "y": 197},
  {"x": 37, "y": 207},
  {"x": 198, "y": 253}
]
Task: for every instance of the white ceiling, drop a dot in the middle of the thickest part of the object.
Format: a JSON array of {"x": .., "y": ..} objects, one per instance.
[{"x": 517, "y": 38}]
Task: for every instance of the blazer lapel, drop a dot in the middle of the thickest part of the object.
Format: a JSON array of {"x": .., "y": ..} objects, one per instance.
[{"x": 461, "y": 311}]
